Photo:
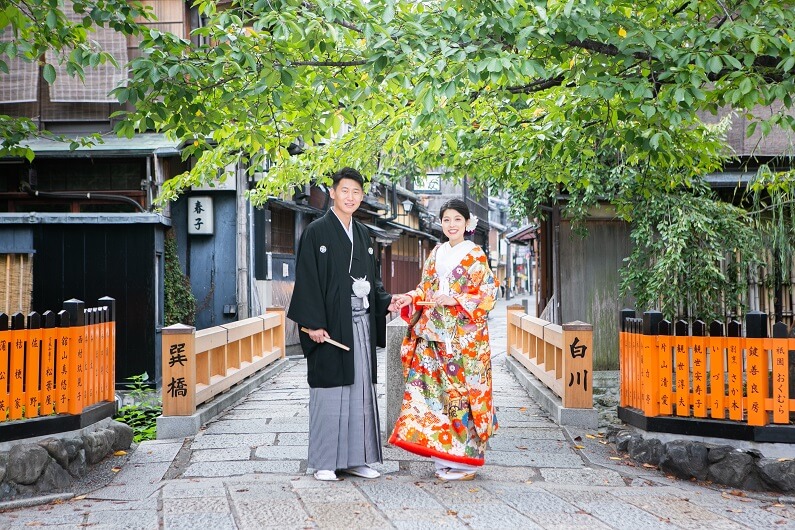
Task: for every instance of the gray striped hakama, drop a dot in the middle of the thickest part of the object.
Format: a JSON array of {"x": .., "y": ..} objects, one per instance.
[{"x": 343, "y": 421}]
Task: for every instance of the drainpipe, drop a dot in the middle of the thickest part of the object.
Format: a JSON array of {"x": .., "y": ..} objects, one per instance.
[
  {"x": 392, "y": 205},
  {"x": 509, "y": 268},
  {"x": 241, "y": 239},
  {"x": 150, "y": 161},
  {"x": 556, "y": 260}
]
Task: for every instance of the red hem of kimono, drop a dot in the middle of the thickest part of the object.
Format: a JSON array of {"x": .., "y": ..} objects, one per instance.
[{"x": 425, "y": 451}]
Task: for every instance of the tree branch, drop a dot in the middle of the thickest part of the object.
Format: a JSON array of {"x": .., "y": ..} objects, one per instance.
[
  {"x": 328, "y": 63},
  {"x": 312, "y": 7},
  {"x": 537, "y": 86},
  {"x": 605, "y": 49}
]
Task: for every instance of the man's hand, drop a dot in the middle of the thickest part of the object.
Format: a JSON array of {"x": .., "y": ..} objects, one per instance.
[
  {"x": 317, "y": 335},
  {"x": 398, "y": 301}
]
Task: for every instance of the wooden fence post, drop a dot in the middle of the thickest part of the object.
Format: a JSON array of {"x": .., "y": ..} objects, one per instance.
[
  {"x": 63, "y": 360},
  {"x": 17, "y": 366},
  {"x": 512, "y": 332},
  {"x": 756, "y": 366},
  {"x": 735, "y": 344},
  {"x": 780, "y": 375},
  {"x": 666, "y": 363},
  {"x": 279, "y": 339},
  {"x": 699, "y": 343},
  {"x": 179, "y": 370},
  {"x": 89, "y": 354},
  {"x": 48, "y": 363},
  {"x": 110, "y": 348},
  {"x": 33, "y": 365},
  {"x": 650, "y": 364},
  {"x": 682, "y": 342},
  {"x": 624, "y": 356},
  {"x": 636, "y": 377},
  {"x": 100, "y": 354},
  {"x": 5, "y": 347},
  {"x": 577, "y": 365},
  {"x": 77, "y": 322},
  {"x": 717, "y": 369},
  {"x": 791, "y": 363}
]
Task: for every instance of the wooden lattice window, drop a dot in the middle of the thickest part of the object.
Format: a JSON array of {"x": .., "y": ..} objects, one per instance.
[{"x": 282, "y": 231}]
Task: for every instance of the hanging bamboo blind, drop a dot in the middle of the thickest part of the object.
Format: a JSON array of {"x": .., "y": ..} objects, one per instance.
[
  {"x": 16, "y": 283},
  {"x": 21, "y": 83},
  {"x": 99, "y": 80},
  {"x": 171, "y": 18}
]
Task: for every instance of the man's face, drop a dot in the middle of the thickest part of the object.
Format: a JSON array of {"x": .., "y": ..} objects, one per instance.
[{"x": 347, "y": 196}]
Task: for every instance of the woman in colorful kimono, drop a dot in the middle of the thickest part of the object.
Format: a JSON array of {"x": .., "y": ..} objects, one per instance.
[{"x": 448, "y": 412}]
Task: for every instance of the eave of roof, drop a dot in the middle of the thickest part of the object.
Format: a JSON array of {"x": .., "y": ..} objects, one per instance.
[
  {"x": 140, "y": 145},
  {"x": 523, "y": 234}
]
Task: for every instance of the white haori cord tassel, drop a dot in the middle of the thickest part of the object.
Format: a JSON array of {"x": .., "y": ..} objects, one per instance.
[{"x": 361, "y": 288}]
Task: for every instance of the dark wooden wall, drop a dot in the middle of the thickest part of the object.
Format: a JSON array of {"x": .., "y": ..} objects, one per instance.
[
  {"x": 118, "y": 260},
  {"x": 590, "y": 279}
]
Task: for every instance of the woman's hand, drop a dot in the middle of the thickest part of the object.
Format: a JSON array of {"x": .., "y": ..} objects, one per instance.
[{"x": 443, "y": 299}]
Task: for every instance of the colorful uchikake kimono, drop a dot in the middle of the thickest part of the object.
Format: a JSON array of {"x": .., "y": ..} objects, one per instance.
[{"x": 448, "y": 411}]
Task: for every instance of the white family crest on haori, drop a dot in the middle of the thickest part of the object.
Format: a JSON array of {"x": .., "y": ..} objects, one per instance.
[
  {"x": 361, "y": 288},
  {"x": 370, "y": 250},
  {"x": 322, "y": 249}
]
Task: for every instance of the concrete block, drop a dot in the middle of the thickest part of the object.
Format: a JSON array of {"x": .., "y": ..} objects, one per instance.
[
  {"x": 395, "y": 383},
  {"x": 178, "y": 426}
]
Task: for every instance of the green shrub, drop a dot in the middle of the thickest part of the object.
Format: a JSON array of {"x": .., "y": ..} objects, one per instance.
[
  {"x": 180, "y": 304},
  {"x": 142, "y": 414}
]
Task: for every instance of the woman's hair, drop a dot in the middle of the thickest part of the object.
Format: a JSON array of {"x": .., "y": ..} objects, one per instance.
[
  {"x": 454, "y": 204},
  {"x": 457, "y": 205}
]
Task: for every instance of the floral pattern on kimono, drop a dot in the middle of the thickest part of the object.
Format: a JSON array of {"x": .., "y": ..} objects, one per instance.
[{"x": 447, "y": 408}]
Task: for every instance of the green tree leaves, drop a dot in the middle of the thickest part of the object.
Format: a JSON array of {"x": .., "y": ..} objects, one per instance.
[{"x": 587, "y": 100}]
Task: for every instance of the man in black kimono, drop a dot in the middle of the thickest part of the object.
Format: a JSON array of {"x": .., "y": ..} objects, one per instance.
[{"x": 339, "y": 295}]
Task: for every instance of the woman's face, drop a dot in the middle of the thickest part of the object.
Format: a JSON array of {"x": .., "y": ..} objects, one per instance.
[{"x": 453, "y": 226}]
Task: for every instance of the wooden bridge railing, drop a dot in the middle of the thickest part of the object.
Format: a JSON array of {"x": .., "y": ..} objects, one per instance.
[
  {"x": 561, "y": 357},
  {"x": 57, "y": 363},
  {"x": 199, "y": 365},
  {"x": 708, "y": 372}
]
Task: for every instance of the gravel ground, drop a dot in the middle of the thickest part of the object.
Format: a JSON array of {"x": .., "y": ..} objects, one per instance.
[{"x": 100, "y": 474}]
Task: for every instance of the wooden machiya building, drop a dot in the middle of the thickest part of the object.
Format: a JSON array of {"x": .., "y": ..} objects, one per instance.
[
  {"x": 579, "y": 277},
  {"x": 80, "y": 223}
]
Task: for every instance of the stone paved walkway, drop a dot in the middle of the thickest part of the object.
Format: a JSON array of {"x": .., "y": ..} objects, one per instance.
[{"x": 247, "y": 469}]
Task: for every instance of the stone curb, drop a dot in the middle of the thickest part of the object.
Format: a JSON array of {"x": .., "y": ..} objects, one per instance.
[
  {"x": 35, "y": 501},
  {"x": 723, "y": 464},
  {"x": 547, "y": 400},
  {"x": 184, "y": 426}
]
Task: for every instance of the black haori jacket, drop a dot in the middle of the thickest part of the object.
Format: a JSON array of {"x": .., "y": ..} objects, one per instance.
[{"x": 322, "y": 298}]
